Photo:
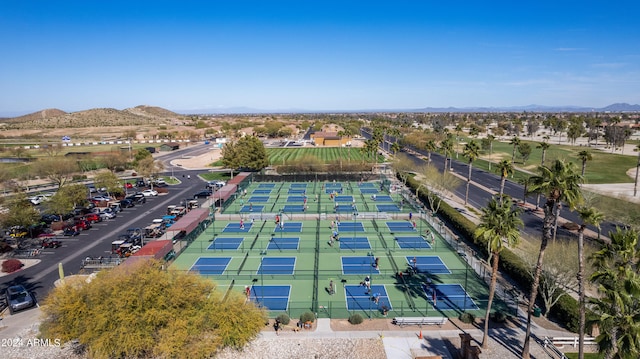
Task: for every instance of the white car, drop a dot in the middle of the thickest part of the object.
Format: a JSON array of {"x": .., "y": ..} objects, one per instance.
[
  {"x": 36, "y": 200},
  {"x": 107, "y": 213},
  {"x": 149, "y": 192}
]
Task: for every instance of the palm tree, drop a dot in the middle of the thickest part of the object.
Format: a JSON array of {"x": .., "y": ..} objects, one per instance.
[
  {"x": 635, "y": 185},
  {"x": 395, "y": 147},
  {"x": 471, "y": 150},
  {"x": 430, "y": 146},
  {"x": 616, "y": 307},
  {"x": 490, "y": 138},
  {"x": 498, "y": 226},
  {"x": 515, "y": 142},
  {"x": 584, "y": 156},
  {"x": 504, "y": 168},
  {"x": 446, "y": 146},
  {"x": 589, "y": 215},
  {"x": 558, "y": 183},
  {"x": 544, "y": 146},
  {"x": 458, "y": 129}
]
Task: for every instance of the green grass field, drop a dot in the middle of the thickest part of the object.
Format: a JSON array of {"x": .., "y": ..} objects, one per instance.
[{"x": 279, "y": 156}]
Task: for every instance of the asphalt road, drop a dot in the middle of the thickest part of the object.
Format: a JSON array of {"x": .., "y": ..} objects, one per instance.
[{"x": 96, "y": 241}]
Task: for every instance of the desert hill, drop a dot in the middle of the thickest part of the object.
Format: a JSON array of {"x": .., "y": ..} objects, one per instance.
[{"x": 97, "y": 117}]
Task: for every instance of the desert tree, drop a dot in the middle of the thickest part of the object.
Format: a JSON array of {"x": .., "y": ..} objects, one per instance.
[
  {"x": 138, "y": 310},
  {"x": 57, "y": 170},
  {"x": 584, "y": 156}
]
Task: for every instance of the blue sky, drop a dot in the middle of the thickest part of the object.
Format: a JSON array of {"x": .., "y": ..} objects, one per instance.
[{"x": 316, "y": 55}]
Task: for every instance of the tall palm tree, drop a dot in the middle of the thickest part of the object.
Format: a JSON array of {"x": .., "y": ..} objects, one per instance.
[
  {"x": 558, "y": 183},
  {"x": 589, "y": 216},
  {"x": 544, "y": 146},
  {"x": 635, "y": 184},
  {"x": 515, "y": 142},
  {"x": 471, "y": 150},
  {"x": 446, "y": 146},
  {"x": 490, "y": 138},
  {"x": 430, "y": 146},
  {"x": 504, "y": 168},
  {"x": 498, "y": 226},
  {"x": 458, "y": 129},
  {"x": 584, "y": 156},
  {"x": 617, "y": 277}
]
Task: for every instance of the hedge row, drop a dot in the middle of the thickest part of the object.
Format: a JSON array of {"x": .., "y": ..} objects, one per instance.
[{"x": 565, "y": 311}]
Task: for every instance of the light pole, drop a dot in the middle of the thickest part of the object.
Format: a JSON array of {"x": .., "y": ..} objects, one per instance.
[
  {"x": 355, "y": 215},
  {"x": 370, "y": 282}
]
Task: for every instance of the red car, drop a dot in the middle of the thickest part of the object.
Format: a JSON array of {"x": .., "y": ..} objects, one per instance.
[
  {"x": 47, "y": 243},
  {"x": 83, "y": 224},
  {"x": 92, "y": 217}
]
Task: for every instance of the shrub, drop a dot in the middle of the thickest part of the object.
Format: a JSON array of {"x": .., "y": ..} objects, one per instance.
[
  {"x": 283, "y": 318},
  {"x": 307, "y": 317},
  {"x": 467, "y": 317},
  {"x": 355, "y": 319},
  {"x": 11, "y": 265},
  {"x": 499, "y": 317}
]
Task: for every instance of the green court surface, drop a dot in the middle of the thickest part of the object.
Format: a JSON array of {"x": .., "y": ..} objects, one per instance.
[{"x": 289, "y": 260}]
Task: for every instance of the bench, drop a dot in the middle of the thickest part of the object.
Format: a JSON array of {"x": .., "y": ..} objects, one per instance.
[
  {"x": 573, "y": 341},
  {"x": 419, "y": 321}
]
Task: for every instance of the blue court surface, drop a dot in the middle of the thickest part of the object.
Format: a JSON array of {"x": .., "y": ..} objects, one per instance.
[
  {"x": 221, "y": 243},
  {"x": 296, "y": 191},
  {"x": 388, "y": 208},
  {"x": 258, "y": 199},
  {"x": 286, "y": 243},
  {"x": 295, "y": 198},
  {"x": 267, "y": 185},
  {"x": 298, "y": 185},
  {"x": 332, "y": 190},
  {"x": 346, "y": 198},
  {"x": 384, "y": 198},
  {"x": 289, "y": 227},
  {"x": 211, "y": 266},
  {"x": 251, "y": 208},
  {"x": 400, "y": 226},
  {"x": 333, "y": 185},
  {"x": 428, "y": 264},
  {"x": 359, "y": 265},
  {"x": 350, "y": 227},
  {"x": 350, "y": 243},
  {"x": 412, "y": 242},
  {"x": 261, "y": 191},
  {"x": 359, "y": 298},
  {"x": 296, "y": 208},
  {"x": 449, "y": 296},
  {"x": 367, "y": 185},
  {"x": 277, "y": 265},
  {"x": 369, "y": 191},
  {"x": 236, "y": 228},
  {"x": 345, "y": 208},
  {"x": 274, "y": 297}
]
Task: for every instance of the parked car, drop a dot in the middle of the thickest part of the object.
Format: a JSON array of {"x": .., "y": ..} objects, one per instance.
[
  {"x": 216, "y": 184},
  {"x": 19, "y": 298},
  {"x": 100, "y": 199},
  {"x": 83, "y": 224},
  {"x": 127, "y": 203},
  {"x": 51, "y": 243},
  {"x": 107, "y": 213},
  {"x": 36, "y": 200},
  {"x": 137, "y": 198},
  {"x": 70, "y": 232},
  {"x": 202, "y": 194},
  {"x": 150, "y": 192},
  {"x": 92, "y": 217}
]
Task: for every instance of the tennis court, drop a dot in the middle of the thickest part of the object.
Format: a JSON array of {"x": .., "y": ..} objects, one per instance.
[
  {"x": 359, "y": 265},
  {"x": 289, "y": 227},
  {"x": 277, "y": 265},
  {"x": 289, "y": 269},
  {"x": 362, "y": 298},
  {"x": 369, "y": 191},
  {"x": 412, "y": 242},
  {"x": 403, "y": 226},
  {"x": 449, "y": 297},
  {"x": 211, "y": 265},
  {"x": 284, "y": 243},
  {"x": 352, "y": 243},
  {"x": 388, "y": 208},
  {"x": 221, "y": 243},
  {"x": 428, "y": 264},
  {"x": 274, "y": 297}
]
